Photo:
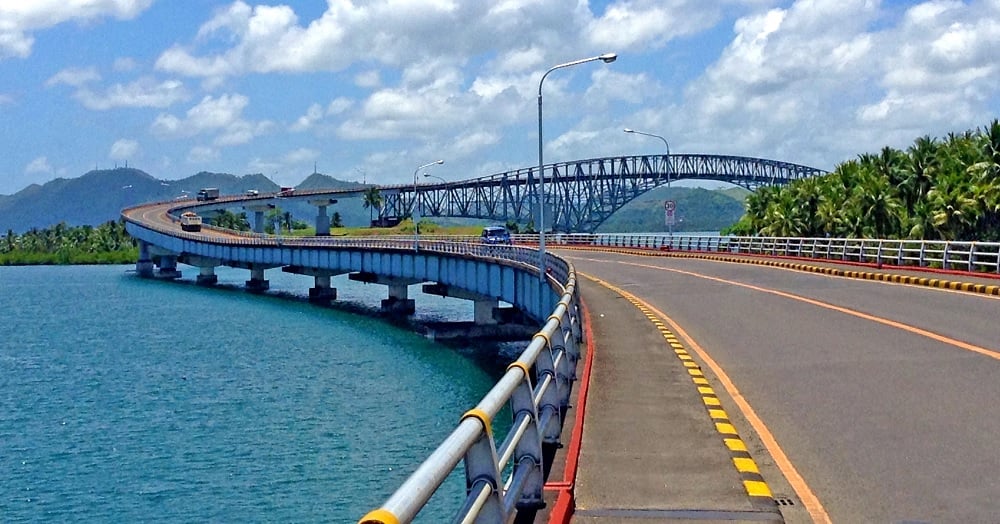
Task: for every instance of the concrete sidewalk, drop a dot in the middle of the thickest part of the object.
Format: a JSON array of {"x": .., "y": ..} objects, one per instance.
[{"x": 655, "y": 445}]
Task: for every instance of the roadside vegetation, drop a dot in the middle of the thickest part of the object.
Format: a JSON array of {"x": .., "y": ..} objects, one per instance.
[
  {"x": 107, "y": 243},
  {"x": 937, "y": 189}
]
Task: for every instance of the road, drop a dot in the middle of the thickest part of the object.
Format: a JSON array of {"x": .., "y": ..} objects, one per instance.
[{"x": 881, "y": 398}]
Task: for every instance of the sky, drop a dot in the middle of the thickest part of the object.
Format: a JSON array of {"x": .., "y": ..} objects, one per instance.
[{"x": 372, "y": 90}]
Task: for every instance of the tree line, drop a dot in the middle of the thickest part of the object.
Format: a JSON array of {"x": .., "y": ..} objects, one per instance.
[
  {"x": 937, "y": 189},
  {"x": 107, "y": 243}
]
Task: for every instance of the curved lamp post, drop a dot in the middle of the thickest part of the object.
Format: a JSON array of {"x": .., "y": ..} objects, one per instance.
[
  {"x": 670, "y": 227},
  {"x": 416, "y": 204},
  {"x": 428, "y": 175},
  {"x": 607, "y": 58}
]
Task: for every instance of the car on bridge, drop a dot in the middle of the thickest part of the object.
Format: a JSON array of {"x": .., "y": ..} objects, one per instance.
[{"x": 496, "y": 235}]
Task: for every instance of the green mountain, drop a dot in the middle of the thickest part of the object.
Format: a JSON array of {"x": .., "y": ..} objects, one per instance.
[
  {"x": 696, "y": 209},
  {"x": 100, "y": 195}
]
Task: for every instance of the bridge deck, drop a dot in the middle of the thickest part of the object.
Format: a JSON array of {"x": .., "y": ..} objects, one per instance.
[{"x": 651, "y": 452}]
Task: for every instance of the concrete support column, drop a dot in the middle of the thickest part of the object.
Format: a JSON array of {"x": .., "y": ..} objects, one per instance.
[
  {"x": 258, "y": 215},
  {"x": 207, "y": 276},
  {"x": 168, "y": 267},
  {"x": 398, "y": 302},
  {"x": 258, "y": 221},
  {"x": 322, "y": 293},
  {"x": 144, "y": 266},
  {"x": 483, "y": 311},
  {"x": 257, "y": 283},
  {"x": 322, "y": 219},
  {"x": 322, "y": 223}
]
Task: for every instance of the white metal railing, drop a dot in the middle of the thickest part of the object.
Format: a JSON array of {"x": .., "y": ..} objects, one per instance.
[
  {"x": 503, "y": 476},
  {"x": 977, "y": 257}
]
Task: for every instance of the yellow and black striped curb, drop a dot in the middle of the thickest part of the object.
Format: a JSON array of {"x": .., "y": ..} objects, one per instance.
[
  {"x": 753, "y": 482},
  {"x": 984, "y": 289}
]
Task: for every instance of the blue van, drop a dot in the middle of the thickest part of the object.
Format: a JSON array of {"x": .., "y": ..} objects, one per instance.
[{"x": 495, "y": 235}]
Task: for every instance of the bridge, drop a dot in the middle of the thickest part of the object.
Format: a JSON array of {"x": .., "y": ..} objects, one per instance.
[
  {"x": 868, "y": 395},
  {"x": 579, "y": 195},
  {"x": 582, "y": 194}
]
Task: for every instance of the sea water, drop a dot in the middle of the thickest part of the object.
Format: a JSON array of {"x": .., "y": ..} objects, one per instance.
[{"x": 131, "y": 400}]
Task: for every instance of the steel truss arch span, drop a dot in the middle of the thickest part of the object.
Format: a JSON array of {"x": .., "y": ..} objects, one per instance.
[{"x": 581, "y": 194}]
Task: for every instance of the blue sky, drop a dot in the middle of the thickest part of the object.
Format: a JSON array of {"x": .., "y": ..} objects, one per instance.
[{"x": 369, "y": 90}]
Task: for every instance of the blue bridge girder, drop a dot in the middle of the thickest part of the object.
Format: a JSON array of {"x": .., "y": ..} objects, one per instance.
[{"x": 581, "y": 194}]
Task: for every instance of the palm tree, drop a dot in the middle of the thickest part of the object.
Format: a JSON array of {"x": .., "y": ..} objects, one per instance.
[
  {"x": 372, "y": 201},
  {"x": 10, "y": 242},
  {"x": 953, "y": 210}
]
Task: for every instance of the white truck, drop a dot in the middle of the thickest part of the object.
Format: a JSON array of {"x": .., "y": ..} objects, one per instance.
[{"x": 190, "y": 221}]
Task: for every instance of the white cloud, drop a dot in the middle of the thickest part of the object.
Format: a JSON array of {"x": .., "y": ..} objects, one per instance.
[
  {"x": 368, "y": 79},
  {"x": 124, "y": 149},
  {"x": 144, "y": 92},
  {"x": 74, "y": 76},
  {"x": 19, "y": 19},
  {"x": 306, "y": 121},
  {"x": 339, "y": 105},
  {"x": 221, "y": 115},
  {"x": 263, "y": 39},
  {"x": 626, "y": 24},
  {"x": 125, "y": 64},
  {"x": 301, "y": 155},
  {"x": 38, "y": 165},
  {"x": 202, "y": 155}
]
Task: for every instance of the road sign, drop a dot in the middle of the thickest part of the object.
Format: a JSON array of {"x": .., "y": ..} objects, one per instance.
[{"x": 669, "y": 207}]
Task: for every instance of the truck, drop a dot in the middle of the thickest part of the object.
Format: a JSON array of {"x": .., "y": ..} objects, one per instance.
[
  {"x": 208, "y": 193},
  {"x": 190, "y": 221}
]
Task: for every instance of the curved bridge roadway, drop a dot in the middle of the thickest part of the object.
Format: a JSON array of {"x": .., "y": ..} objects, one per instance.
[{"x": 880, "y": 397}]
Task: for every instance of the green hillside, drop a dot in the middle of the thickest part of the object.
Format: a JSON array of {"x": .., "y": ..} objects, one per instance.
[{"x": 696, "y": 210}]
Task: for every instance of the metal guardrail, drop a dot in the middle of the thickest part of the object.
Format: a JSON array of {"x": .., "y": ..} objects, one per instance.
[
  {"x": 978, "y": 257},
  {"x": 537, "y": 400}
]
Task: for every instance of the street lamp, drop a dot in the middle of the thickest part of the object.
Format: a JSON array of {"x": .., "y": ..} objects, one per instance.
[
  {"x": 670, "y": 226},
  {"x": 416, "y": 203},
  {"x": 607, "y": 58},
  {"x": 428, "y": 175}
]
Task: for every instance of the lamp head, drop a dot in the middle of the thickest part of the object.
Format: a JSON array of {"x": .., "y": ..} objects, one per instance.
[
  {"x": 439, "y": 162},
  {"x": 607, "y": 58},
  {"x": 627, "y": 130}
]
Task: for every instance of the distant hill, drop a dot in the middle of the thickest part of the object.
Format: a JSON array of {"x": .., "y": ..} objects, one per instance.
[
  {"x": 100, "y": 195},
  {"x": 697, "y": 210}
]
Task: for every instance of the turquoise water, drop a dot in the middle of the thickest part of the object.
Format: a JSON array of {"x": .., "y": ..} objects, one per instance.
[{"x": 130, "y": 400}]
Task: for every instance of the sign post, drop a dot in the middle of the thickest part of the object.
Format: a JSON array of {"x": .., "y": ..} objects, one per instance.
[{"x": 669, "y": 209}]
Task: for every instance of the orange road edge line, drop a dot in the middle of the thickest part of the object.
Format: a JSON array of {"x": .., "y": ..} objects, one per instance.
[
  {"x": 805, "y": 494},
  {"x": 847, "y": 311},
  {"x": 565, "y": 503}
]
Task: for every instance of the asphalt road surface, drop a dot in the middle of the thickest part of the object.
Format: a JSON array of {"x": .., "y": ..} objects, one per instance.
[{"x": 883, "y": 399}]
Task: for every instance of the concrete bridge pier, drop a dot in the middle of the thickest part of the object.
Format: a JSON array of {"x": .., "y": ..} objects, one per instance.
[
  {"x": 257, "y": 282},
  {"x": 322, "y": 220},
  {"x": 398, "y": 302},
  {"x": 144, "y": 266},
  {"x": 258, "y": 215},
  {"x": 207, "y": 276},
  {"x": 206, "y": 268},
  {"x": 322, "y": 292},
  {"x": 484, "y": 307},
  {"x": 168, "y": 267}
]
